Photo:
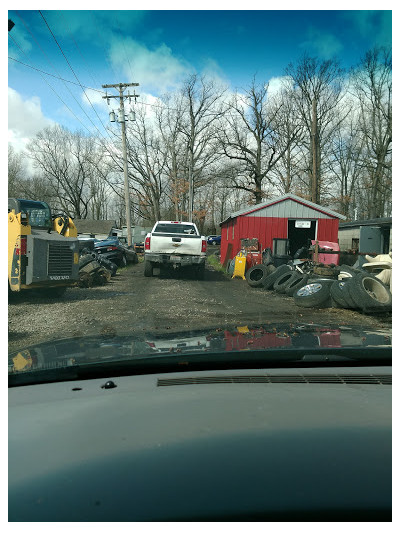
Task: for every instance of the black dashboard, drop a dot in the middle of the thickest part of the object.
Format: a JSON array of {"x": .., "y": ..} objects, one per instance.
[{"x": 278, "y": 444}]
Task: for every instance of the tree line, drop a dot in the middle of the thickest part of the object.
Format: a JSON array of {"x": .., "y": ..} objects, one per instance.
[{"x": 325, "y": 135}]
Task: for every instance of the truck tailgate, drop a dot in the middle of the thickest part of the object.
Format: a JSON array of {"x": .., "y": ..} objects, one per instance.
[{"x": 176, "y": 244}]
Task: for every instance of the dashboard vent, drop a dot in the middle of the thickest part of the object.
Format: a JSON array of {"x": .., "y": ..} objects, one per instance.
[{"x": 341, "y": 379}]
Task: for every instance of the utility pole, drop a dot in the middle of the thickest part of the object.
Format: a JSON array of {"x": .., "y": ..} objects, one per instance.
[{"x": 121, "y": 118}]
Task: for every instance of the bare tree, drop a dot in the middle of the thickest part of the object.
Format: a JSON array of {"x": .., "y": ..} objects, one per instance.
[
  {"x": 21, "y": 184},
  {"x": 290, "y": 128},
  {"x": 346, "y": 164},
  {"x": 251, "y": 138},
  {"x": 372, "y": 81},
  {"x": 64, "y": 160},
  {"x": 16, "y": 171},
  {"x": 318, "y": 89},
  {"x": 147, "y": 165},
  {"x": 168, "y": 118},
  {"x": 202, "y": 102}
]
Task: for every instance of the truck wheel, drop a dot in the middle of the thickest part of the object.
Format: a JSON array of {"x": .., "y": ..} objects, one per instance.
[
  {"x": 148, "y": 269},
  {"x": 316, "y": 294},
  {"x": 370, "y": 293}
]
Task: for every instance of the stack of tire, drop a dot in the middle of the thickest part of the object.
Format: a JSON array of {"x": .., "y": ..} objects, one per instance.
[
  {"x": 346, "y": 287},
  {"x": 283, "y": 279},
  {"x": 354, "y": 289}
]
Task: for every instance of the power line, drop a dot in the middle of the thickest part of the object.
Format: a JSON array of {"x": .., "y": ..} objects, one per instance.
[
  {"x": 51, "y": 64},
  {"x": 91, "y": 88},
  {"x": 73, "y": 72},
  {"x": 58, "y": 96},
  {"x": 52, "y": 75},
  {"x": 77, "y": 47}
]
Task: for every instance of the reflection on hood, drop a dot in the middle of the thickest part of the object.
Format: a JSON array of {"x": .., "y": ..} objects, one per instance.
[{"x": 108, "y": 348}]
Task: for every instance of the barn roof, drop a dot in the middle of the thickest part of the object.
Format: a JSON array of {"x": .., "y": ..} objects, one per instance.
[{"x": 251, "y": 209}]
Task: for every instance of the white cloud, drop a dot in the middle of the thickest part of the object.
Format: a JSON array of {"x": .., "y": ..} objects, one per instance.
[
  {"x": 156, "y": 70},
  {"x": 25, "y": 119},
  {"x": 276, "y": 84}
]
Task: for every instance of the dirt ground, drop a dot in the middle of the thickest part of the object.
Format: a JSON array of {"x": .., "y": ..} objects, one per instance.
[{"x": 131, "y": 303}]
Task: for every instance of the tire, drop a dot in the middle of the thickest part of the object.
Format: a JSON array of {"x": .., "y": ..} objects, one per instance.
[
  {"x": 148, "y": 269},
  {"x": 296, "y": 284},
  {"x": 348, "y": 271},
  {"x": 316, "y": 294},
  {"x": 370, "y": 293},
  {"x": 123, "y": 261},
  {"x": 269, "y": 281},
  {"x": 109, "y": 265},
  {"x": 283, "y": 281},
  {"x": 85, "y": 260},
  {"x": 214, "y": 243},
  {"x": 340, "y": 294},
  {"x": 256, "y": 274},
  {"x": 199, "y": 271}
]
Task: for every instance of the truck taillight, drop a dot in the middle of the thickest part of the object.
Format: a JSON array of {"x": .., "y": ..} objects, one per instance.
[
  {"x": 203, "y": 246},
  {"x": 147, "y": 243},
  {"x": 21, "y": 249}
]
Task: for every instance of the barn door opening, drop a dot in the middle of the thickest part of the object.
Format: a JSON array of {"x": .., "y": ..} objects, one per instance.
[{"x": 300, "y": 233}]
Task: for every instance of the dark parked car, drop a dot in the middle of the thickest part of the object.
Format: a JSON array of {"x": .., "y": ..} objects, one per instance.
[
  {"x": 214, "y": 239},
  {"x": 115, "y": 251}
]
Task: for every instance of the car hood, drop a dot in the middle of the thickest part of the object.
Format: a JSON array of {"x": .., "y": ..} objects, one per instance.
[{"x": 300, "y": 342}]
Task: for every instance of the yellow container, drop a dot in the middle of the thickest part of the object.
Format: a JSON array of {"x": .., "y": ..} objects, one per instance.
[{"x": 240, "y": 266}]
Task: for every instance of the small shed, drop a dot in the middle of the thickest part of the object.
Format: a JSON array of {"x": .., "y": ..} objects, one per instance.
[
  {"x": 372, "y": 236},
  {"x": 287, "y": 217}
]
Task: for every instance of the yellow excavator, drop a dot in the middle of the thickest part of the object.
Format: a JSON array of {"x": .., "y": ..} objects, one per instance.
[{"x": 43, "y": 249}]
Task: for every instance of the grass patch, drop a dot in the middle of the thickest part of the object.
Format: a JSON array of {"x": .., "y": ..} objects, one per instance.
[{"x": 213, "y": 261}]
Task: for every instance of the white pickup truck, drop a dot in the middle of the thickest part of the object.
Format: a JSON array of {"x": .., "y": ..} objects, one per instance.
[{"x": 176, "y": 244}]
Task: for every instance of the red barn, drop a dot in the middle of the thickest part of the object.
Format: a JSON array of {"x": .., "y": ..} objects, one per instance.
[{"x": 287, "y": 217}]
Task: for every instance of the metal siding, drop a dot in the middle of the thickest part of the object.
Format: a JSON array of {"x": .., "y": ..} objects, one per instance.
[
  {"x": 328, "y": 230},
  {"x": 289, "y": 209}
]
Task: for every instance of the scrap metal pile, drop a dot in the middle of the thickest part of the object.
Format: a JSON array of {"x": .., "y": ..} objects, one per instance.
[{"x": 95, "y": 270}]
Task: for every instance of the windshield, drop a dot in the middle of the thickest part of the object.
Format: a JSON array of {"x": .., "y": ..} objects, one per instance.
[
  {"x": 189, "y": 229},
  {"x": 39, "y": 215},
  {"x": 245, "y": 159}
]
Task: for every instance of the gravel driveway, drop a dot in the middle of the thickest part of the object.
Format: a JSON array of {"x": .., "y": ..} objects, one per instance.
[{"x": 130, "y": 302}]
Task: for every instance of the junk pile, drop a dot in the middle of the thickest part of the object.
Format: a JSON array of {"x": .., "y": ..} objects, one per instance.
[
  {"x": 94, "y": 270},
  {"x": 314, "y": 283}
]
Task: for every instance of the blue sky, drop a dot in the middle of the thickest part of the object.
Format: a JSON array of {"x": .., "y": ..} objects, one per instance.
[{"x": 160, "y": 48}]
